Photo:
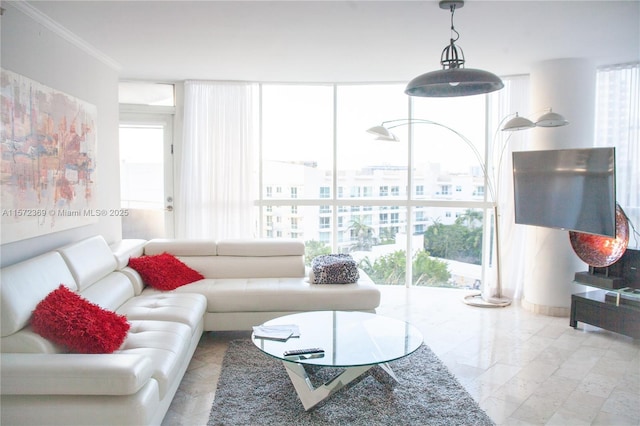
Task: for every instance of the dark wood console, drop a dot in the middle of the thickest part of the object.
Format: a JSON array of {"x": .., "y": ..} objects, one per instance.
[{"x": 594, "y": 308}]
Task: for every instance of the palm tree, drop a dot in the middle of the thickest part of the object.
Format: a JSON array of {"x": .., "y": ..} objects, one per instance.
[
  {"x": 363, "y": 232},
  {"x": 387, "y": 236},
  {"x": 470, "y": 218}
]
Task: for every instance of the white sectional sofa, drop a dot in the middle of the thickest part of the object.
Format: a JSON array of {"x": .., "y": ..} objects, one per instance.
[
  {"x": 246, "y": 283},
  {"x": 249, "y": 282}
]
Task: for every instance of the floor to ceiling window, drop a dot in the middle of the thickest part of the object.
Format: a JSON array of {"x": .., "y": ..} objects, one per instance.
[
  {"x": 409, "y": 211},
  {"x": 413, "y": 211},
  {"x": 618, "y": 125}
]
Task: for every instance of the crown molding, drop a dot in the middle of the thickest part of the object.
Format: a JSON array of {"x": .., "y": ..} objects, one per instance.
[{"x": 63, "y": 32}]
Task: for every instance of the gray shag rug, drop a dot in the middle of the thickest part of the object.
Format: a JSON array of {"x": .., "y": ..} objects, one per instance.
[{"x": 255, "y": 389}]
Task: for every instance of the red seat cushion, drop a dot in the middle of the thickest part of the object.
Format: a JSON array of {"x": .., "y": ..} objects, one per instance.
[
  {"x": 67, "y": 319},
  {"x": 164, "y": 271}
]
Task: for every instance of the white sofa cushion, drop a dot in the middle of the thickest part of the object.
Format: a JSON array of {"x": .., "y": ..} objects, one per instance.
[
  {"x": 165, "y": 343},
  {"x": 281, "y": 294},
  {"x": 261, "y": 247},
  {"x": 110, "y": 292},
  {"x": 125, "y": 249},
  {"x": 74, "y": 374},
  {"x": 25, "y": 284},
  {"x": 187, "y": 308},
  {"x": 135, "y": 278},
  {"x": 89, "y": 260},
  {"x": 236, "y": 258},
  {"x": 142, "y": 408},
  {"x": 28, "y": 341},
  {"x": 246, "y": 266},
  {"x": 181, "y": 247}
]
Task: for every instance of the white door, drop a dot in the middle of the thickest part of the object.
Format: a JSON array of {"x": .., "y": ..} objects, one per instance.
[{"x": 146, "y": 175}]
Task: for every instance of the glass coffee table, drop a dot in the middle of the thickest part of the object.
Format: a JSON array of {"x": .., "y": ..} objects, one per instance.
[{"x": 353, "y": 341}]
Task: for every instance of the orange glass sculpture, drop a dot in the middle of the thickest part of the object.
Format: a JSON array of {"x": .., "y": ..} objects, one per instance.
[{"x": 599, "y": 251}]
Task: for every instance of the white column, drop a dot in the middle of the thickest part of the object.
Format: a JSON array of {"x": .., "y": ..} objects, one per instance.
[{"x": 567, "y": 86}]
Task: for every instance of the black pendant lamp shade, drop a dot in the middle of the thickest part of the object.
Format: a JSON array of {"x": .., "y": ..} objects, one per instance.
[
  {"x": 453, "y": 82},
  {"x": 453, "y": 79}
]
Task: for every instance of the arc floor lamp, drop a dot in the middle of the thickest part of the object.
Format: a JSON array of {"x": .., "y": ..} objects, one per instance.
[
  {"x": 549, "y": 119},
  {"x": 456, "y": 80}
]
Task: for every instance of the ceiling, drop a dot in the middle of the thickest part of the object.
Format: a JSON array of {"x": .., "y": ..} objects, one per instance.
[{"x": 343, "y": 41}]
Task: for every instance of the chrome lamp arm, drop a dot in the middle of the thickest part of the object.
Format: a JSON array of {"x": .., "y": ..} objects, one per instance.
[{"x": 382, "y": 133}]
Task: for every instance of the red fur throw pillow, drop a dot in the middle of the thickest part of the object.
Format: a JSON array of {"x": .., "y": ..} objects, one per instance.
[
  {"x": 67, "y": 319},
  {"x": 164, "y": 271}
]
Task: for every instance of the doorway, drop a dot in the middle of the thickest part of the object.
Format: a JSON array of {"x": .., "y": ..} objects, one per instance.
[{"x": 146, "y": 175}]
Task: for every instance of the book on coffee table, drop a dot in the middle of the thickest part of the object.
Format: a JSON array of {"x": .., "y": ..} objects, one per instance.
[{"x": 276, "y": 332}]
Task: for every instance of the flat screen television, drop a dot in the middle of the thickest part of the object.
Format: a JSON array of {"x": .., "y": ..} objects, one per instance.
[{"x": 569, "y": 189}]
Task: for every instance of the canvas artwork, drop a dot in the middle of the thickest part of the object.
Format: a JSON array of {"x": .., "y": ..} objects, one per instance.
[{"x": 48, "y": 159}]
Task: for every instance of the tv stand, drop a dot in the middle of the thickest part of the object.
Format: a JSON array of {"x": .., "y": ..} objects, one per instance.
[{"x": 595, "y": 308}]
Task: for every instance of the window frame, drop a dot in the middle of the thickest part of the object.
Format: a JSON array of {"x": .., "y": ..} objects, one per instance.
[{"x": 369, "y": 198}]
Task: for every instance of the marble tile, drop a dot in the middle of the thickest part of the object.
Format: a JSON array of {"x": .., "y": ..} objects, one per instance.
[
  {"x": 583, "y": 405},
  {"x": 537, "y": 409},
  {"x": 499, "y": 374},
  {"x": 499, "y": 410},
  {"x": 624, "y": 402},
  {"x": 563, "y": 418},
  {"x": 522, "y": 368},
  {"x": 598, "y": 384}
]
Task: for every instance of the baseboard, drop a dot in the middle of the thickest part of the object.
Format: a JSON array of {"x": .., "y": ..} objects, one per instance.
[{"x": 552, "y": 311}]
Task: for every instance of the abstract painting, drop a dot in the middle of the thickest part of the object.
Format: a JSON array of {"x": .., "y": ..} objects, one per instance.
[{"x": 48, "y": 160}]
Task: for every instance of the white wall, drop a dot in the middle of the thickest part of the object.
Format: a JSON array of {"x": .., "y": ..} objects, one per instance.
[{"x": 33, "y": 50}]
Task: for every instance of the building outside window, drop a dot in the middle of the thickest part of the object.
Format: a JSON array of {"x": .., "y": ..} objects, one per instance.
[
  {"x": 367, "y": 192},
  {"x": 367, "y": 175},
  {"x": 325, "y": 222}
]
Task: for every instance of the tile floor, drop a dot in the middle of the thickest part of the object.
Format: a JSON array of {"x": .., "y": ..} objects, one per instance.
[{"x": 523, "y": 368}]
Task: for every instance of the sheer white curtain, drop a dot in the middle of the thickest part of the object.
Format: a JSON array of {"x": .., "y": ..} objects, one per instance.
[
  {"x": 618, "y": 125},
  {"x": 502, "y": 106},
  {"x": 218, "y": 173}
]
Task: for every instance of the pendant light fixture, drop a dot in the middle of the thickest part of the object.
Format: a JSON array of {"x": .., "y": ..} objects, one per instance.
[{"x": 453, "y": 79}]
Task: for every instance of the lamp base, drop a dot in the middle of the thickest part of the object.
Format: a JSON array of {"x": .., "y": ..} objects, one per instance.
[{"x": 492, "y": 302}]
